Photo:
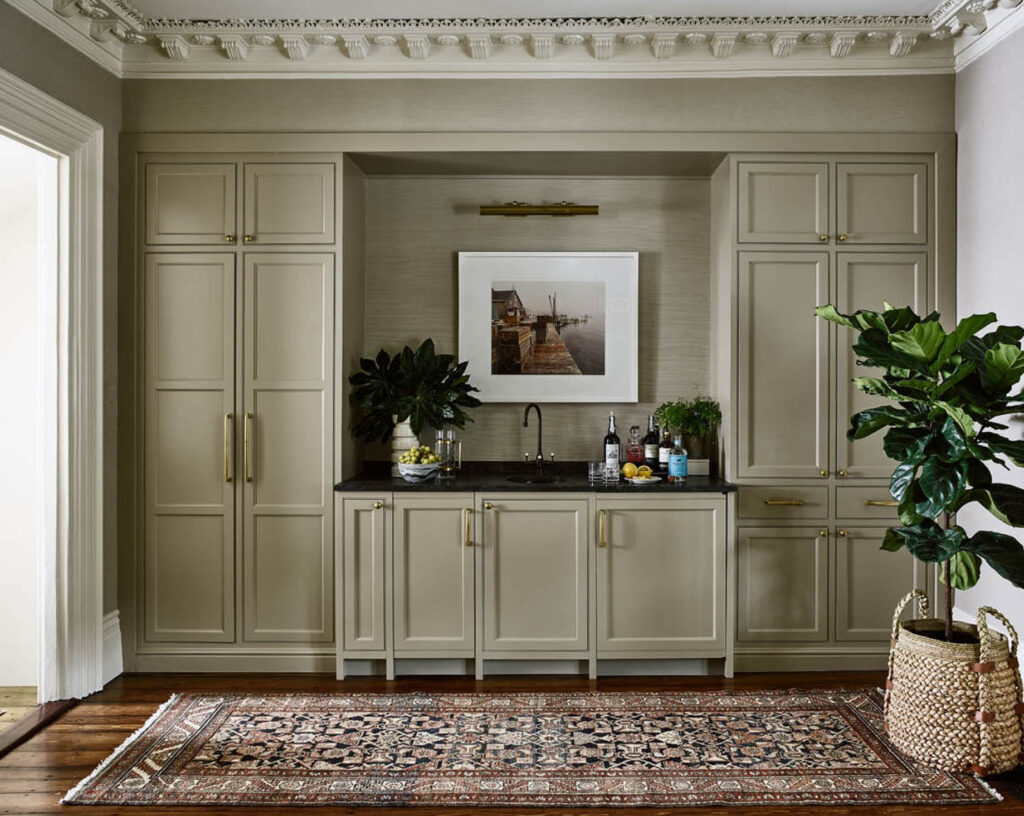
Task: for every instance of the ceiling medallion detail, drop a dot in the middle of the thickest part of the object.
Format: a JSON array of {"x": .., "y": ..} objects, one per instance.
[{"x": 566, "y": 46}]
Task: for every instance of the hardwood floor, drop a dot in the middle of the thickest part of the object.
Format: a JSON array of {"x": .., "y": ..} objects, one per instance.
[
  {"x": 34, "y": 776},
  {"x": 16, "y": 702}
]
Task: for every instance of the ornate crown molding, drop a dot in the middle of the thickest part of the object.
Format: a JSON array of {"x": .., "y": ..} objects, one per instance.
[{"x": 120, "y": 35}]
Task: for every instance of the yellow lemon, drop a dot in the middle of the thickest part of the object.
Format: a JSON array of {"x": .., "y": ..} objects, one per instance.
[
  {"x": 644, "y": 472},
  {"x": 629, "y": 470}
]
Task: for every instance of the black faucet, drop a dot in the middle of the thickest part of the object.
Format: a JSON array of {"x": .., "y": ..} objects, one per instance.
[{"x": 540, "y": 435}]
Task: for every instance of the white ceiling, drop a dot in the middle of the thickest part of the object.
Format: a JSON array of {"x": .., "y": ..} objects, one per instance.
[{"x": 396, "y": 9}]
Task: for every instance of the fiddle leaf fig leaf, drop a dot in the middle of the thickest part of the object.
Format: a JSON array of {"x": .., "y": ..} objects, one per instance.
[
  {"x": 930, "y": 543},
  {"x": 831, "y": 314},
  {"x": 1003, "y": 367},
  {"x": 893, "y": 541},
  {"x": 873, "y": 419},
  {"x": 965, "y": 329},
  {"x": 921, "y": 342},
  {"x": 1003, "y": 501},
  {"x": 875, "y": 350},
  {"x": 901, "y": 479},
  {"x": 1011, "y": 449},
  {"x": 959, "y": 416},
  {"x": 1001, "y": 552},
  {"x": 964, "y": 570},
  {"x": 878, "y": 387},
  {"x": 906, "y": 444},
  {"x": 962, "y": 373},
  {"x": 941, "y": 482}
]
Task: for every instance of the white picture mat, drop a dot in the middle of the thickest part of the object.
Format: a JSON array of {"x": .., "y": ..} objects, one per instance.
[{"x": 478, "y": 271}]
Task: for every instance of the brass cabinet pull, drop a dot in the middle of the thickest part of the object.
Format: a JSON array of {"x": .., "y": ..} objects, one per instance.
[
  {"x": 601, "y": 529},
  {"x": 246, "y": 445},
  {"x": 488, "y": 506},
  {"x": 842, "y": 474},
  {"x": 378, "y": 505},
  {"x": 843, "y": 533},
  {"x": 823, "y": 237},
  {"x": 784, "y": 502},
  {"x": 881, "y": 503},
  {"x": 844, "y": 237},
  {"x": 248, "y": 238},
  {"x": 229, "y": 239},
  {"x": 823, "y": 472},
  {"x": 469, "y": 527},
  {"x": 823, "y": 533},
  {"x": 229, "y": 427}
]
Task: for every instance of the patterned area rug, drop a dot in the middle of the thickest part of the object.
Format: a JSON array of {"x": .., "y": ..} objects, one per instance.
[{"x": 592, "y": 749}]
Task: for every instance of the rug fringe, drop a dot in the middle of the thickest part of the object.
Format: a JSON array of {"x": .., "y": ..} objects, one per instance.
[
  {"x": 67, "y": 799},
  {"x": 995, "y": 794}
]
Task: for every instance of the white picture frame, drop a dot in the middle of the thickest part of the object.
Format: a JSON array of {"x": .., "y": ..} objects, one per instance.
[{"x": 590, "y": 299}]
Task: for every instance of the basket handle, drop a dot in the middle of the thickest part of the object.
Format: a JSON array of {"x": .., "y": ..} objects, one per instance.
[
  {"x": 986, "y": 639},
  {"x": 922, "y": 605}
]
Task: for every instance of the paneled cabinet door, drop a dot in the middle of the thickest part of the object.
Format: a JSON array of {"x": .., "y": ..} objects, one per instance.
[
  {"x": 882, "y": 203},
  {"x": 190, "y": 203},
  {"x": 290, "y": 203},
  {"x": 433, "y": 574},
  {"x": 287, "y": 395},
  {"x": 783, "y": 203},
  {"x": 869, "y": 582},
  {"x": 189, "y": 555},
  {"x": 783, "y": 365},
  {"x": 864, "y": 280},
  {"x": 364, "y": 567},
  {"x": 534, "y": 574},
  {"x": 660, "y": 575},
  {"x": 782, "y": 584}
]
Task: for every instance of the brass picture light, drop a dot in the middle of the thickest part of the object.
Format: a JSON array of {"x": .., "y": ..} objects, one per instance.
[{"x": 519, "y": 209}]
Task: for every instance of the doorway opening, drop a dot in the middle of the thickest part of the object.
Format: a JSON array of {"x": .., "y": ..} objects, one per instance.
[{"x": 29, "y": 230}]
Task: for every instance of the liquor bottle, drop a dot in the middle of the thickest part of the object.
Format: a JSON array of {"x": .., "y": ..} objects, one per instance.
[
  {"x": 635, "y": 447},
  {"x": 677, "y": 462},
  {"x": 611, "y": 444},
  {"x": 663, "y": 451},
  {"x": 651, "y": 444}
]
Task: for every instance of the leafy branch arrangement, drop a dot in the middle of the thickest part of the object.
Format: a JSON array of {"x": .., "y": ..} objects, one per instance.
[
  {"x": 946, "y": 393},
  {"x": 694, "y": 416},
  {"x": 427, "y": 388}
]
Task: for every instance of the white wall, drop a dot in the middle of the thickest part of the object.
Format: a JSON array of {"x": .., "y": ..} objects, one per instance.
[
  {"x": 21, "y": 171},
  {"x": 990, "y": 269}
]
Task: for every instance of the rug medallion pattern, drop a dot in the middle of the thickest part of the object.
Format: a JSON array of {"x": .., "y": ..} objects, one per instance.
[{"x": 535, "y": 750}]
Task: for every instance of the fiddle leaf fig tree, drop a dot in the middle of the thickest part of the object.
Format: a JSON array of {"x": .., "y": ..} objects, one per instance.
[{"x": 946, "y": 398}]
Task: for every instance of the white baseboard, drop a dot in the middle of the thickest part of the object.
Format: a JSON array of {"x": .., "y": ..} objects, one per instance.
[{"x": 113, "y": 661}]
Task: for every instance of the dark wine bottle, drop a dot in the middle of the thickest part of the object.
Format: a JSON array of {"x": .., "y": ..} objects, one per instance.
[
  {"x": 612, "y": 447},
  {"x": 663, "y": 451},
  {"x": 651, "y": 444}
]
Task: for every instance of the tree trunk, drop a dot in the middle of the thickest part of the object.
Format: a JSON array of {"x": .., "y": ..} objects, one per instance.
[{"x": 949, "y": 599}]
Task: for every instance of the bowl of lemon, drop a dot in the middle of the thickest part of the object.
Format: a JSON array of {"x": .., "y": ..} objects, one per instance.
[
  {"x": 639, "y": 475},
  {"x": 419, "y": 464}
]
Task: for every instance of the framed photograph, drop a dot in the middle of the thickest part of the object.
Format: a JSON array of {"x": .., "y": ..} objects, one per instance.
[{"x": 549, "y": 326}]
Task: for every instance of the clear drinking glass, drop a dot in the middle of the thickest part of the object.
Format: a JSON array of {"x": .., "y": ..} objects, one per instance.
[
  {"x": 611, "y": 474},
  {"x": 595, "y": 471},
  {"x": 450, "y": 450}
]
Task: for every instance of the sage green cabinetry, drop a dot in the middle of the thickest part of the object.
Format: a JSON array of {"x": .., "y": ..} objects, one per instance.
[
  {"x": 661, "y": 576},
  {"x": 364, "y": 561}
]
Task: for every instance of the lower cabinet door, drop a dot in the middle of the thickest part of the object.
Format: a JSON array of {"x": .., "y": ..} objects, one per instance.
[
  {"x": 869, "y": 582},
  {"x": 433, "y": 575},
  {"x": 782, "y": 584},
  {"x": 534, "y": 555},
  {"x": 660, "y": 575},
  {"x": 364, "y": 580}
]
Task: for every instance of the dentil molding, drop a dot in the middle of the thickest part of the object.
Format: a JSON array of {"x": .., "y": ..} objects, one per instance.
[{"x": 121, "y": 38}]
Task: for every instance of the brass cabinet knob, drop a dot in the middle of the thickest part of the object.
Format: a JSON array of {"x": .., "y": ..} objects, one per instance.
[
  {"x": 249, "y": 238},
  {"x": 823, "y": 533},
  {"x": 843, "y": 533},
  {"x": 823, "y": 237},
  {"x": 378, "y": 505},
  {"x": 823, "y": 472},
  {"x": 843, "y": 238},
  {"x": 842, "y": 474},
  {"x": 488, "y": 506},
  {"x": 229, "y": 239}
]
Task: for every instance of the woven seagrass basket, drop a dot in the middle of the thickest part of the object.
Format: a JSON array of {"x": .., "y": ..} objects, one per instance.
[{"x": 954, "y": 706}]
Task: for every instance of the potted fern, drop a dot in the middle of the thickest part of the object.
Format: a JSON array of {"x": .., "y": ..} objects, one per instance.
[
  {"x": 697, "y": 419},
  {"x": 946, "y": 396}
]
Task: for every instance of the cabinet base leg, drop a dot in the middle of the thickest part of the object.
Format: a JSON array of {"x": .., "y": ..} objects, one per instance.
[
  {"x": 592, "y": 668},
  {"x": 478, "y": 668},
  {"x": 389, "y": 667},
  {"x": 339, "y": 672},
  {"x": 730, "y": 667}
]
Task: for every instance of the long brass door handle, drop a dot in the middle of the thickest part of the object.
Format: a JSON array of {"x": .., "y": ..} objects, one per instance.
[
  {"x": 601, "y": 542},
  {"x": 881, "y": 503},
  {"x": 469, "y": 526},
  {"x": 246, "y": 446},
  {"x": 229, "y": 427},
  {"x": 784, "y": 502}
]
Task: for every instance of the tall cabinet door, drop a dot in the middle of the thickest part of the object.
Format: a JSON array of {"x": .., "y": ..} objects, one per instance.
[
  {"x": 783, "y": 365},
  {"x": 190, "y": 203},
  {"x": 783, "y": 203},
  {"x": 535, "y": 575},
  {"x": 433, "y": 575},
  {"x": 287, "y": 443},
  {"x": 189, "y": 448},
  {"x": 864, "y": 281},
  {"x": 364, "y": 553}
]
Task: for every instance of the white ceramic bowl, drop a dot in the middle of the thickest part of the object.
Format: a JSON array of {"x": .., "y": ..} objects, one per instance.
[{"x": 418, "y": 473}]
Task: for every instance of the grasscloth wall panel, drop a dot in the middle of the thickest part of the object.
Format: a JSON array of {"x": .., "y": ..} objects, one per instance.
[{"x": 416, "y": 227}]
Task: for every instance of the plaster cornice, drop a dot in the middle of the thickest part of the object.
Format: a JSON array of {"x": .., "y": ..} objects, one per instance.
[{"x": 122, "y": 39}]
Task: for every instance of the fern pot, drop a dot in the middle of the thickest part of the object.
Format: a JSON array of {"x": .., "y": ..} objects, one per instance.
[
  {"x": 402, "y": 440},
  {"x": 954, "y": 706}
]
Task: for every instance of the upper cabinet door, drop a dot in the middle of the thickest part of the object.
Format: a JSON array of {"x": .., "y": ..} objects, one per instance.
[
  {"x": 882, "y": 203},
  {"x": 190, "y": 203},
  {"x": 783, "y": 365},
  {"x": 865, "y": 280},
  {"x": 289, "y": 203},
  {"x": 783, "y": 203}
]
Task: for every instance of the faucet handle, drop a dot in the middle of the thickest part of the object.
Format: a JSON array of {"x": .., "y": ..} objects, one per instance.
[
  {"x": 526, "y": 456},
  {"x": 552, "y": 456}
]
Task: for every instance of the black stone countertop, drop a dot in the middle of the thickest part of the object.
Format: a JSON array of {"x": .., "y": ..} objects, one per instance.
[{"x": 490, "y": 477}]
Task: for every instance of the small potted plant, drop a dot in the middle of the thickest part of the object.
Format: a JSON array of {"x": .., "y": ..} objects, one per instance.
[
  {"x": 695, "y": 419},
  {"x": 398, "y": 396}
]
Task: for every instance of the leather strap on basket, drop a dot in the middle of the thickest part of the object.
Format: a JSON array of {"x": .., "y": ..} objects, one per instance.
[
  {"x": 987, "y": 643},
  {"x": 922, "y": 605}
]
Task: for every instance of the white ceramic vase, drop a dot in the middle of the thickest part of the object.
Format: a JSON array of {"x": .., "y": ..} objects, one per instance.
[{"x": 402, "y": 440}]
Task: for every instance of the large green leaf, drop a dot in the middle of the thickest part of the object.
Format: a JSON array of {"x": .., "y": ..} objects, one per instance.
[
  {"x": 1001, "y": 552},
  {"x": 966, "y": 328},
  {"x": 1010, "y": 448},
  {"x": 870, "y": 420},
  {"x": 893, "y": 541},
  {"x": 906, "y": 445},
  {"x": 1003, "y": 501},
  {"x": 899, "y": 319},
  {"x": 978, "y": 474},
  {"x": 941, "y": 481},
  {"x": 922, "y": 342},
  {"x": 901, "y": 479},
  {"x": 909, "y": 517},
  {"x": 831, "y": 314},
  {"x": 930, "y": 543},
  {"x": 963, "y": 371},
  {"x": 878, "y": 387},
  {"x": 959, "y": 416},
  {"x": 949, "y": 444},
  {"x": 964, "y": 570},
  {"x": 1002, "y": 368},
  {"x": 874, "y": 349}
]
